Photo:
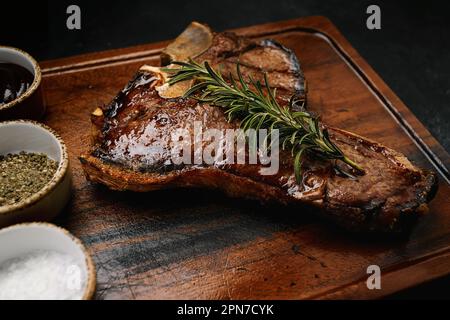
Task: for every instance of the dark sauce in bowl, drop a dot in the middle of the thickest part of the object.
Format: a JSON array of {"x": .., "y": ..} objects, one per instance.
[{"x": 14, "y": 81}]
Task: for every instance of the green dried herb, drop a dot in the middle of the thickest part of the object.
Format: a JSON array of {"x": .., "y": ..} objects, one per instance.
[{"x": 24, "y": 174}]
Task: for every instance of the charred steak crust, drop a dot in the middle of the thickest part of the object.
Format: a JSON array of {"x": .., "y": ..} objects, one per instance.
[
  {"x": 297, "y": 73},
  {"x": 130, "y": 149}
]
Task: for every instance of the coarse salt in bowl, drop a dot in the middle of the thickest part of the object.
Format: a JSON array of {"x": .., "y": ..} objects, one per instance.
[{"x": 40, "y": 261}]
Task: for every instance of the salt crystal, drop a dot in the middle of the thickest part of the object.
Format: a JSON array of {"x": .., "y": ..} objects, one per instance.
[{"x": 42, "y": 275}]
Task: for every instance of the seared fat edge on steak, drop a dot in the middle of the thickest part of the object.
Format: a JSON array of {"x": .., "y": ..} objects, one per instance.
[{"x": 131, "y": 143}]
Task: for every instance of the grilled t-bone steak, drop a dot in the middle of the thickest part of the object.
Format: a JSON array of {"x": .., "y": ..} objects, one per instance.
[{"x": 131, "y": 147}]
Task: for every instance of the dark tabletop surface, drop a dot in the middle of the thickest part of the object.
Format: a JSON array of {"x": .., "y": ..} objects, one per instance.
[{"x": 411, "y": 52}]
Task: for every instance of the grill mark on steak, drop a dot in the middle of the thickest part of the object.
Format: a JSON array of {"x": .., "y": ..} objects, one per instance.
[{"x": 131, "y": 149}]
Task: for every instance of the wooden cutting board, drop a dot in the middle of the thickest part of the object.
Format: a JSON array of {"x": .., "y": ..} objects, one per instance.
[{"x": 199, "y": 244}]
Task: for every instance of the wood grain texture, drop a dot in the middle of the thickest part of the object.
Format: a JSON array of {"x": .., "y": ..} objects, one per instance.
[{"x": 198, "y": 244}]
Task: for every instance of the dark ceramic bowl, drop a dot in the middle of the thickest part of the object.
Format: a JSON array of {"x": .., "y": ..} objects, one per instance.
[{"x": 29, "y": 105}]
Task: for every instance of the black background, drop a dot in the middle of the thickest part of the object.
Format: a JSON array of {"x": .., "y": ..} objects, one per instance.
[{"x": 411, "y": 52}]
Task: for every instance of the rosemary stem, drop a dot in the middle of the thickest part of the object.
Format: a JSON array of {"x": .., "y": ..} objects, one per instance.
[{"x": 352, "y": 164}]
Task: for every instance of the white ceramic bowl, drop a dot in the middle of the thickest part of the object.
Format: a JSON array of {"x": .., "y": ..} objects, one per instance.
[
  {"x": 30, "y": 136},
  {"x": 29, "y": 105},
  {"x": 23, "y": 238}
]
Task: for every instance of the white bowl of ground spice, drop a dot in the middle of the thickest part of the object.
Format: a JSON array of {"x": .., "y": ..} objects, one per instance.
[
  {"x": 40, "y": 261},
  {"x": 35, "y": 179}
]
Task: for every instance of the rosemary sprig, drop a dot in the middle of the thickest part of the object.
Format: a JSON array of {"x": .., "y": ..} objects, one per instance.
[{"x": 300, "y": 130}]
